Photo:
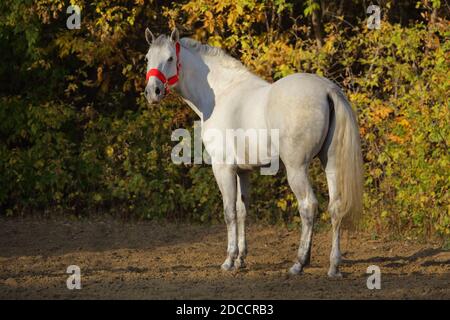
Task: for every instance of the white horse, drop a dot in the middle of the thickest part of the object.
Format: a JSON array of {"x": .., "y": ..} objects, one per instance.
[{"x": 311, "y": 114}]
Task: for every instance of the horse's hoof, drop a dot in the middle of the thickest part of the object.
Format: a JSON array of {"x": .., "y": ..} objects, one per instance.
[
  {"x": 334, "y": 273},
  {"x": 296, "y": 269},
  {"x": 227, "y": 266},
  {"x": 239, "y": 264}
]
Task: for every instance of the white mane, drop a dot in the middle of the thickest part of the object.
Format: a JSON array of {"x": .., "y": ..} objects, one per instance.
[{"x": 221, "y": 56}]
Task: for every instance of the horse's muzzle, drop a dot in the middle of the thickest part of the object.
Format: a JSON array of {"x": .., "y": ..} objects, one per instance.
[{"x": 154, "y": 91}]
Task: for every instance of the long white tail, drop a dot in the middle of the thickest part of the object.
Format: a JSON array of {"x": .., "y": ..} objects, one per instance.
[{"x": 349, "y": 165}]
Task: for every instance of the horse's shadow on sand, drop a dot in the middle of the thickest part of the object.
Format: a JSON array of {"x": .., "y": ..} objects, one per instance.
[
  {"x": 398, "y": 261},
  {"x": 390, "y": 262}
]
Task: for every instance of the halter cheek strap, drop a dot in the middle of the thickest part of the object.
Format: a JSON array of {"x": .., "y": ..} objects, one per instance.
[{"x": 158, "y": 74}]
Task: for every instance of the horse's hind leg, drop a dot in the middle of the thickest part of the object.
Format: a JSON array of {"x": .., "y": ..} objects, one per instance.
[
  {"x": 334, "y": 208},
  {"x": 307, "y": 206},
  {"x": 336, "y": 218},
  {"x": 242, "y": 203}
]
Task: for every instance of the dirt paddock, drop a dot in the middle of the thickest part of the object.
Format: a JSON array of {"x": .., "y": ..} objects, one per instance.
[{"x": 148, "y": 260}]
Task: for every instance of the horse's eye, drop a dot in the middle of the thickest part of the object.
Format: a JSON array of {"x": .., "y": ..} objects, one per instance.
[{"x": 170, "y": 59}]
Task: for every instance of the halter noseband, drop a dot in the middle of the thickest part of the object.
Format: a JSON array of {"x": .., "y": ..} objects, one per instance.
[{"x": 172, "y": 80}]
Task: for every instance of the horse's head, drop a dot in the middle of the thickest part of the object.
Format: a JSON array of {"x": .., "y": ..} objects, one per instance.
[{"x": 163, "y": 64}]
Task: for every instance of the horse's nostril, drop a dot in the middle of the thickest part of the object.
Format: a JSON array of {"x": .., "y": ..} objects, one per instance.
[{"x": 157, "y": 91}]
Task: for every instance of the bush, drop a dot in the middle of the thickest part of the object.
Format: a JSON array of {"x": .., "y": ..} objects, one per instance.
[{"x": 76, "y": 135}]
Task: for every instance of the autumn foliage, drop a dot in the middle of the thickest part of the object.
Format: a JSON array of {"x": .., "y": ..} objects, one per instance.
[{"x": 77, "y": 136}]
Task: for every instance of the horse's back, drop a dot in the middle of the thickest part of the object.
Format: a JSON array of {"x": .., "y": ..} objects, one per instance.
[{"x": 301, "y": 87}]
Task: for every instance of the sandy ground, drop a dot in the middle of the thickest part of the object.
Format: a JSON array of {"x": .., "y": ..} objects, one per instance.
[{"x": 149, "y": 260}]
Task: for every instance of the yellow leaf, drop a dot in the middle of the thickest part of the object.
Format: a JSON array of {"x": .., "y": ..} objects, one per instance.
[
  {"x": 109, "y": 151},
  {"x": 282, "y": 204}
]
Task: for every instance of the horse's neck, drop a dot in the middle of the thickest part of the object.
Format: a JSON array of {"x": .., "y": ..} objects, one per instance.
[
  {"x": 203, "y": 80},
  {"x": 193, "y": 84}
]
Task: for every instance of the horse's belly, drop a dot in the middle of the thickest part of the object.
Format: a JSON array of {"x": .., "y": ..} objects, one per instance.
[
  {"x": 246, "y": 148},
  {"x": 236, "y": 132}
]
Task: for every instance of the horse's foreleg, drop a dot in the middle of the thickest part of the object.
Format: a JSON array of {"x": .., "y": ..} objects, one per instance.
[
  {"x": 226, "y": 179},
  {"x": 242, "y": 203},
  {"x": 307, "y": 206}
]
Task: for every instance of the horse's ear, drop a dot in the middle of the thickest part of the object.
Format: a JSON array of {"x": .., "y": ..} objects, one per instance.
[
  {"x": 149, "y": 36},
  {"x": 175, "y": 36}
]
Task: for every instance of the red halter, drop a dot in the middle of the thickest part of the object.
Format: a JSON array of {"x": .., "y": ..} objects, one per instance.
[{"x": 172, "y": 80}]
